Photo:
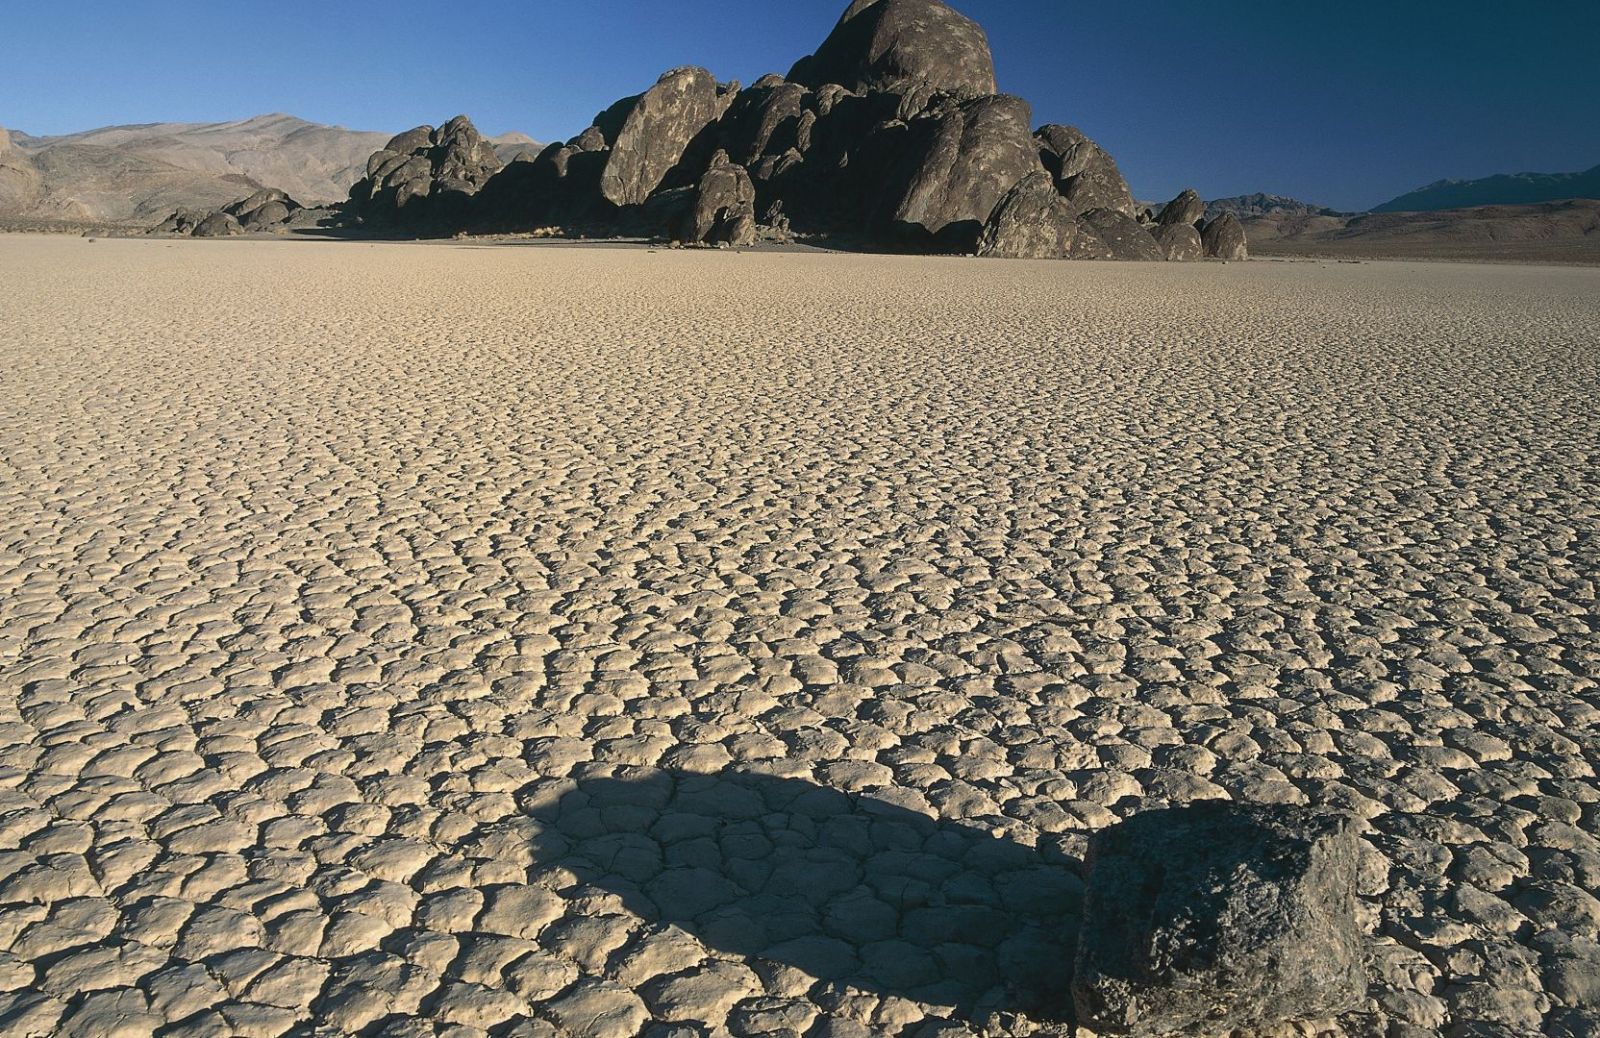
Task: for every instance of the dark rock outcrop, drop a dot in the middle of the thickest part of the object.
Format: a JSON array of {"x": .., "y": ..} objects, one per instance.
[
  {"x": 1084, "y": 172},
  {"x": 218, "y": 225},
  {"x": 722, "y": 209},
  {"x": 182, "y": 221},
  {"x": 267, "y": 210},
  {"x": 657, "y": 133},
  {"x": 963, "y": 158},
  {"x": 766, "y": 118},
  {"x": 1111, "y": 234},
  {"x": 902, "y": 47},
  {"x": 1178, "y": 241},
  {"x": 426, "y": 175},
  {"x": 1032, "y": 221},
  {"x": 1218, "y": 916},
  {"x": 1223, "y": 238},
  {"x": 1185, "y": 210},
  {"x": 890, "y": 135},
  {"x": 263, "y": 210}
]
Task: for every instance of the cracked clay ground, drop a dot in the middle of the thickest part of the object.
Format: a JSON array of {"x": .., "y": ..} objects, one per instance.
[{"x": 450, "y": 640}]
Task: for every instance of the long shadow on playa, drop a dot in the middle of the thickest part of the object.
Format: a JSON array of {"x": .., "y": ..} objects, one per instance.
[{"x": 849, "y": 888}]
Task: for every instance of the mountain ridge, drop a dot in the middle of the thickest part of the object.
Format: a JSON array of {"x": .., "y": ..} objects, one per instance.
[
  {"x": 134, "y": 173},
  {"x": 1500, "y": 189}
]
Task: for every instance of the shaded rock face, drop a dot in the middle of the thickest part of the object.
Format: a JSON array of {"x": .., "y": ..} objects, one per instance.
[
  {"x": 1186, "y": 210},
  {"x": 1218, "y": 916},
  {"x": 657, "y": 132},
  {"x": 902, "y": 46},
  {"x": 767, "y": 119},
  {"x": 1032, "y": 221},
  {"x": 1110, "y": 234},
  {"x": 1179, "y": 241},
  {"x": 1084, "y": 172},
  {"x": 426, "y": 174},
  {"x": 890, "y": 135},
  {"x": 1223, "y": 238},
  {"x": 963, "y": 158},
  {"x": 723, "y": 207}
]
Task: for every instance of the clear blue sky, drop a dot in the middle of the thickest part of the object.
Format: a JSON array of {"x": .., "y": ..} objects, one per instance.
[{"x": 1344, "y": 103}]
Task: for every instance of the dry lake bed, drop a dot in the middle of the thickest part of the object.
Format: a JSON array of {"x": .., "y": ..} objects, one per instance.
[{"x": 457, "y": 639}]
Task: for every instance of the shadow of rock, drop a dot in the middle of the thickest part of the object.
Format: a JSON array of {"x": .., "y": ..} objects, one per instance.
[{"x": 851, "y": 889}]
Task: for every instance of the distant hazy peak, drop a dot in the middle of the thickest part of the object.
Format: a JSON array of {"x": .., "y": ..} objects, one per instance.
[{"x": 1501, "y": 189}]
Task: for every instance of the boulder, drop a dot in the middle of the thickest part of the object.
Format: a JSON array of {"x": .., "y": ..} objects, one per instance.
[
  {"x": 413, "y": 141},
  {"x": 1224, "y": 238},
  {"x": 961, "y": 159},
  {"x": 218, "y": 225},
  {"x": 462, "y": 158},
  {"x": 658, "y": 132},
  {"x": 722, "y": 210},
  {"x": 266, "y": 195},
  {"x": 426, "y": 175},
  {"x": 263, "y": 210},
  {"x": 902, "y": 46},
  {"x": 1032, "y": 221},
  {"x": 1186, "y": 210},
  {"x": 1178, "y": 241},
  {"x": 765, "y": 119},
  {"x": 267, "y": 216},
  {"x": 182, "y": 221},
  {"x": 1084, "y": 172},
  {"x": 1218, "y": 916},
  {"x": 1110, "y": 234}
]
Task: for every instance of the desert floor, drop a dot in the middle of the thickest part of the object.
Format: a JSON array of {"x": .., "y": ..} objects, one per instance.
[{"x": 440, "y": 639}]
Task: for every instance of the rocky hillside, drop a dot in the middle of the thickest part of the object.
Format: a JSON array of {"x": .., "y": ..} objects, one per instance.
[
  {"x": 1505, "y": 189},
  {"x": 890, "y": 134},
  {"x": 1549, "y": 232},
  {"x": 1247, "y": 207},
  {"x": 138, "y": 174}
]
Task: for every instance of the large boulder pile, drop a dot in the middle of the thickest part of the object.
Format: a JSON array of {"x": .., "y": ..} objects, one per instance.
[
  {"x": 426, "y": 177},
  {"x": 891, "y": 134},
  {"x": 267, "y": 210}
]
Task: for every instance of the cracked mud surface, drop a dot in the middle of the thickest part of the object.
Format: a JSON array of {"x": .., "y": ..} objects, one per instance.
[{"x": 438, "y": 640}]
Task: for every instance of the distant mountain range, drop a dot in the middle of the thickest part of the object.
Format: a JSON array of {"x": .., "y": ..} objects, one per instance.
[
  {"x": 1536, "y": 217},
  {"x": 136, "y": 175},
  {"x": 1504, "y": 189}
]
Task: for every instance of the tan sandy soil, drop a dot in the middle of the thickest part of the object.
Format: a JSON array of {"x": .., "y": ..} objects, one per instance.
[{"x": 450, "y": 640}]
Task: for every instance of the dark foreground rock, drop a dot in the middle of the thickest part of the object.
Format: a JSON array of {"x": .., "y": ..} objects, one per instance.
[
  {"x": 1086, "y": 173},
  {"x": 963, "y": 158},
  {"x": 1218, "y": 916},
  {"x": 1179, "y": 241},
  {"x": 426, "y": 176},
  {"x": 902, "y": 46},
  {"x": 1033, "y": 221},
  {"x": 658, "y": 132},
  {"x": 722, "y": 210},
  {"x": 1224, "y": 238},
  {"x": 1112, "y": 234},
  {"x": 891, "y": 135}
]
